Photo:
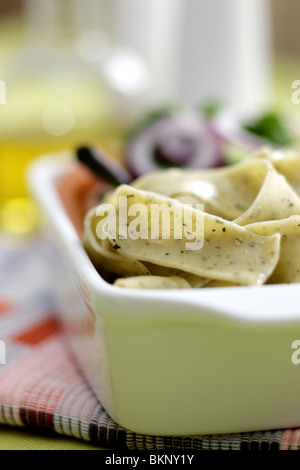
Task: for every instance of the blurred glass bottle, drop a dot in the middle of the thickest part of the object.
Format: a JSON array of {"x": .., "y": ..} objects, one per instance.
[{"x": 60, "y": 94}]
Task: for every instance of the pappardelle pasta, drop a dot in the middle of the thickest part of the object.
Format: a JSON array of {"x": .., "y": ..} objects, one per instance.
[{"x": 250, "y": 226}]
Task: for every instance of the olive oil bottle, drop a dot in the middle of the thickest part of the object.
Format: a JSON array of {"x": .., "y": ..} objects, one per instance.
[{"x": 57, "y": 97}]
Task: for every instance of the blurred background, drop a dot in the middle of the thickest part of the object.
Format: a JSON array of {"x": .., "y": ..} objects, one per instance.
[{"x": 86, "y": 71}]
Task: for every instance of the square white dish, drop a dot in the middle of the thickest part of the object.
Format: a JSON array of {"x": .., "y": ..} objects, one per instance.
[{"x": 175, "y": 362}]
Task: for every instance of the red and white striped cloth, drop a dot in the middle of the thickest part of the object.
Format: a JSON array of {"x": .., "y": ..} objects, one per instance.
[{"x": 40, "y": 383}]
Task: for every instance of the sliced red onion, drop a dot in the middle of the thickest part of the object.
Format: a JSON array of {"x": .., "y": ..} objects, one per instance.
[{"x": 183, "y": 140}]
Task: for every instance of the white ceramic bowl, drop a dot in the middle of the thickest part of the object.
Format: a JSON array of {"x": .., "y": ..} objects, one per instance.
[{"x": 176, "y": 362}]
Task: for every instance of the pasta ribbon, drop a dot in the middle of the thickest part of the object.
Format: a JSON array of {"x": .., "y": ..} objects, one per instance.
[
  {"x": 229, "y": 253},
  {"x": 104, "y": 256},
  {"x": 153, "y": 282},
  {"x": 288, "y": 267},
  {"x": 243, "y": 226}
]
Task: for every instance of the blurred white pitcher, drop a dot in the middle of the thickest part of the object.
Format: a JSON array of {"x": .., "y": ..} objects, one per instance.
[
  {"x": 154, "y": 29},
  {"x": 227, "y": 53},
  {"x": 193, "y": 50},
  {"x": 199, "y": 50}
]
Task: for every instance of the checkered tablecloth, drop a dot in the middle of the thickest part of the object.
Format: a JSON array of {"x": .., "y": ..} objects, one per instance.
[{"x": 41, "y": 385}]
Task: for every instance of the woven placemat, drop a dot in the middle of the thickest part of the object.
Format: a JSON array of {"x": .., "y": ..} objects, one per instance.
[{"x": 41, "y": 386}]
